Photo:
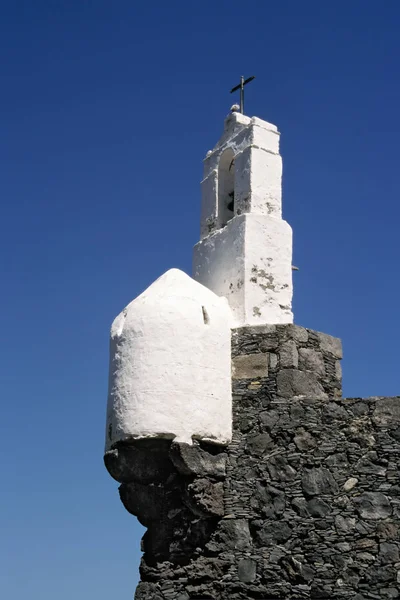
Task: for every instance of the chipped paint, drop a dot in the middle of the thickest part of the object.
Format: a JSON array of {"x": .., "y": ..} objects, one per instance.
[{"x": 248, "y": 259}]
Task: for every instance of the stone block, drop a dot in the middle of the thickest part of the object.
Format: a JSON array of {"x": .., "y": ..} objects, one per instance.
[
  {"x": 387, "y": 530},
  {"x": 300, "y": 506},
  {"x": 311, "y": 360},
  {"x": 330, "y": 344},
  {"x": 373, "y": 505},
  {"x": 318, "y": 481},
  {"x": 269, "y": 418},
  {"x": 389, "y": 552},
  {"x": 337, "y": 460},
  {"x": 338, "y": 370},
  {"x": 146, "y": 502},
  {"x": 273, "y": 360},
  {"x": 192, "y": 460},
  {"x": 359, "y": 409},
  {"x": 333, "y": 411},
  {"x": 250, "y": 366},
  {"x": 280, "y": 470},
  {"x": 255, "y": 339},
  {"x": 371, "y": 464},
  {"x": 247, "y": 570},
  {"x": 206, "y": 498},
  {"x": 350, "y": 484},
  {"x": 235, "y": 534},
  {"x": 256, "y": 330},
  {"x": 259, "y": 444},
  {"x": 273, "y": 532},
  {"x": 288, "y": 355},
  {"x": 387, "y": 412},
  {"x": 292, "y": 383},
  {"x": 146, "y": 462},
  {"x": 148, "y": 591},
  {"x": 318, "y": 507},
  {"x": 389, "y": 593},
  {"x": 304, "y": 440},
  {"x": 344, "y": 525},
  {"x": 293, "y": 332}
]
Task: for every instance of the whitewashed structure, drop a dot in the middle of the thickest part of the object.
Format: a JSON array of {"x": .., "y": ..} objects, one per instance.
[
  {"x": 245, "y": 251},
  {"x": 170, "y": 369},
  {"x": 170, "y": 356}
]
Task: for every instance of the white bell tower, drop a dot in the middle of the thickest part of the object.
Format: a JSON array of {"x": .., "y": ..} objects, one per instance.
[{"x": 245, "y": 250}]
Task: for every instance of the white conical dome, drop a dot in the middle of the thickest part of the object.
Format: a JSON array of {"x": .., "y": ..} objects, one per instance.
[{"x": 170, "y": 373}]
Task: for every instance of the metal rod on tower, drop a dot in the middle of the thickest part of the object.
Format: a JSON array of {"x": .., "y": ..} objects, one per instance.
[
  {"x": 240, "y": 87},
  {"x": 242, "y": 95}
]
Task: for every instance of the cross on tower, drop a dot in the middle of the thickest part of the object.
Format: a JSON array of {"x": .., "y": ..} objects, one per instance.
[{"x": 241, "y": 85}]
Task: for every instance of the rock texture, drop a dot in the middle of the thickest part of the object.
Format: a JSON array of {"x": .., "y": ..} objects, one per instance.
[{"x": 305, "y": 501}]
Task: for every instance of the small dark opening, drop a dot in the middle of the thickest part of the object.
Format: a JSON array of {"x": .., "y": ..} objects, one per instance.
[
  {"x": 226, "y": 187},
  {"x": 206, "y": 318}
]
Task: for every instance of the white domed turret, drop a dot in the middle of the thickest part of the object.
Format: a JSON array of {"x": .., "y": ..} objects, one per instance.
[{"x": 170, "y": 365}]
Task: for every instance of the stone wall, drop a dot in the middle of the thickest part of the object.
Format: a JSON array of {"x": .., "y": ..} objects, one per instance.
[{"x": 304, "y": 503}]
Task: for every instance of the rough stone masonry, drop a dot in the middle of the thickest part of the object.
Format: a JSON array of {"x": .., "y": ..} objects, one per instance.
[{"x": 305, "y": 501}]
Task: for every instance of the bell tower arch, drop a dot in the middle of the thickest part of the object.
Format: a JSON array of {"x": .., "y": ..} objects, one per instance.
[
  {"x": 226, "y": 187},
  {"x": 245, "y": 248}
]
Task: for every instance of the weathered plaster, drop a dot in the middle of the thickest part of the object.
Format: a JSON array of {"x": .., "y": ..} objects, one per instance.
[
  {"x": 249, "y": 262},
  {"x": 170, "y": 371},
  {"x": 248, "y": 257}
]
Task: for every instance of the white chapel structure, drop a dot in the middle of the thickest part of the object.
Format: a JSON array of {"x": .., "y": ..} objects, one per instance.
[{"x": 170, "y": 355}]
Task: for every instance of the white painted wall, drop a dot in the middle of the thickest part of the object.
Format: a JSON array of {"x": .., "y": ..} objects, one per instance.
[
  {"x": 219, "y": 264},
  {"x": 249, "y": 263},
  {"x": 248, "y": 260},
  {"x": 170, "y": 365}
]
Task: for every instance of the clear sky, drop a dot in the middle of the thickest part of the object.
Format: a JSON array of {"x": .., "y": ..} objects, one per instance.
[{"x": 107, "y": 109}]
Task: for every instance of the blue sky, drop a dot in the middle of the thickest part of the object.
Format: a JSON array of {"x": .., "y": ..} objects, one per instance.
[{"x": 107, "y": 109}]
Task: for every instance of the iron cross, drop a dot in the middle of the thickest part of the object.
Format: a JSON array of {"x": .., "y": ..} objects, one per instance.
[{"x": 240, "y": 87}]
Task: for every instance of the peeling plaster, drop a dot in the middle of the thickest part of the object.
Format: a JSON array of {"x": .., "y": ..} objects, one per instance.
[{"x": 230, "y": 259}]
